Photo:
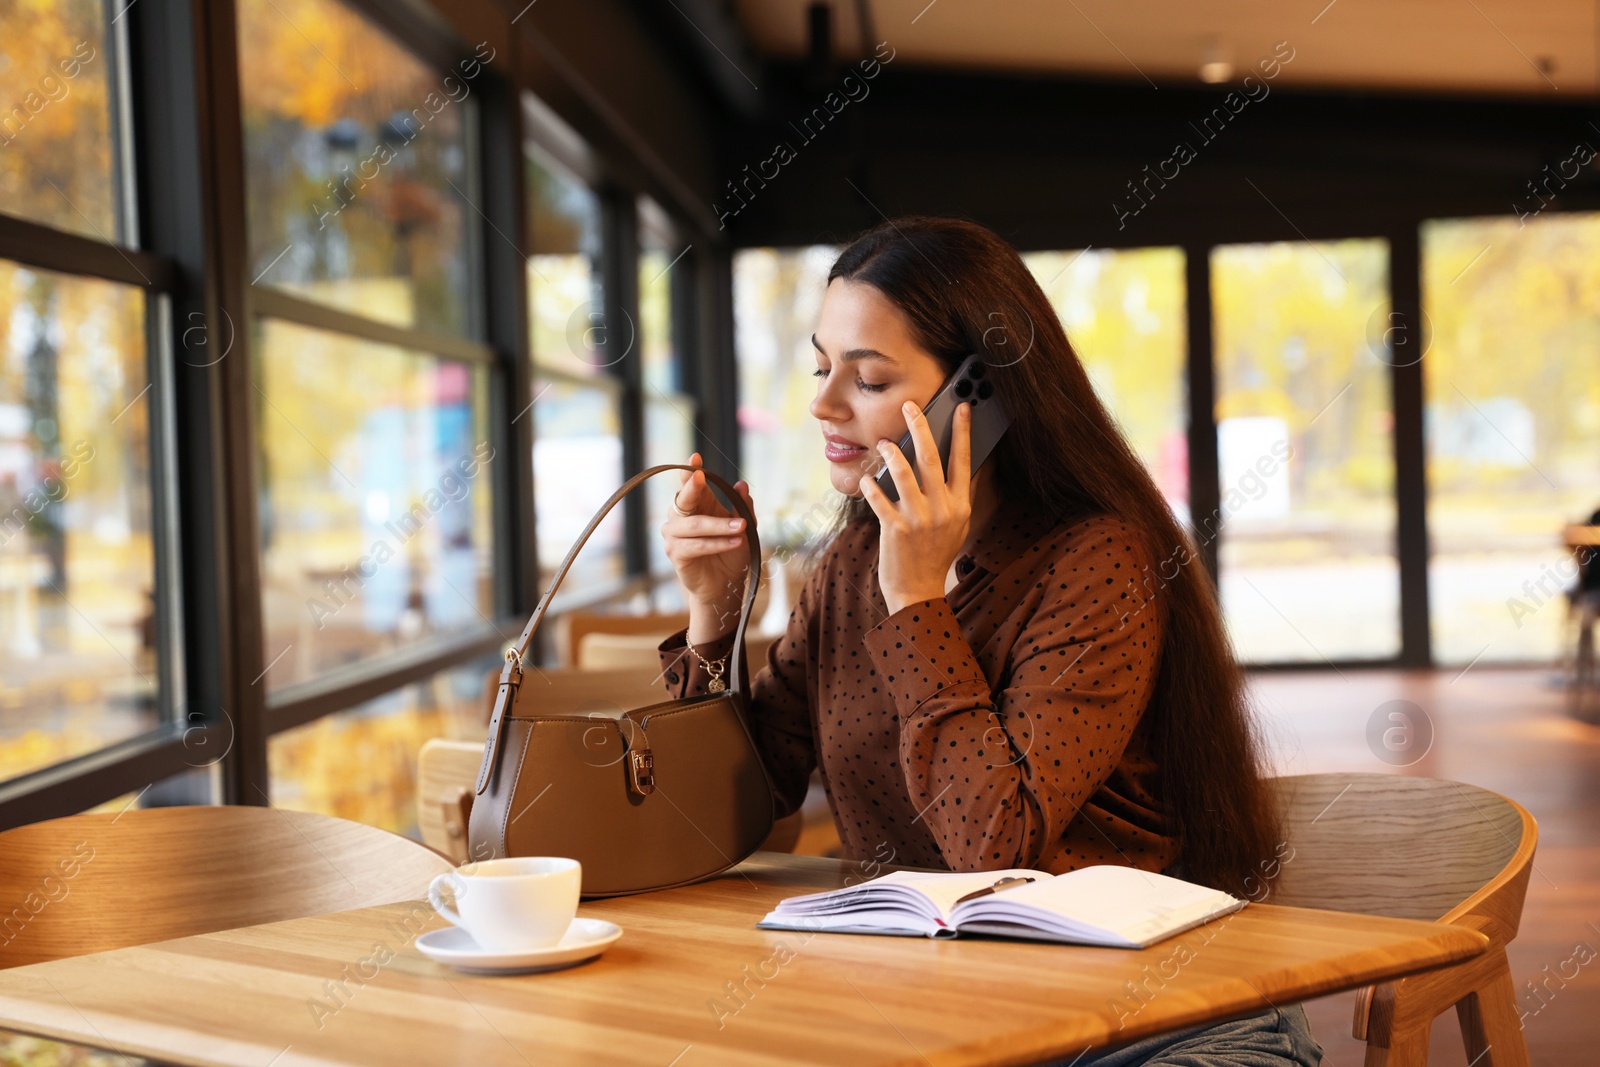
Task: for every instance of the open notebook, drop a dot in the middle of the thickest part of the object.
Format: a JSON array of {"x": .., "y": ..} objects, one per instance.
[{"x": 1104, "y": 905}]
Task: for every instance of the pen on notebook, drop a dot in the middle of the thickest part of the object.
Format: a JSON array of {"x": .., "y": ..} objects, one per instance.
[{"x": 1004, "y": 883}]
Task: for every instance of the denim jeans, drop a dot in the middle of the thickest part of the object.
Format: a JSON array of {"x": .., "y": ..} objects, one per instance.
[{"x": 1275, "y": 1038}]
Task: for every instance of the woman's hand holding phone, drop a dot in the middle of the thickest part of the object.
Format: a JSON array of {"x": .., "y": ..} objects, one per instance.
[
  {"x": 921, "y": 534},
  {"x": 706, "y": 544}
]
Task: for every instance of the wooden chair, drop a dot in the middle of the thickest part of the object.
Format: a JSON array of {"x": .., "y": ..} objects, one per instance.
[
  {"x": 446, "y": 771},
  {"x": 601, "y": 651},
  {"x": 1417, "y": 848},
  {"x": 614, "y": 652},
  {"x": 574, "y": 626},
  {"x": 90, "y": 883}
]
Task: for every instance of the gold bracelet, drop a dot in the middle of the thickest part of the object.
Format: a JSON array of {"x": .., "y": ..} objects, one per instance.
[{"x": 715, "y": 670}]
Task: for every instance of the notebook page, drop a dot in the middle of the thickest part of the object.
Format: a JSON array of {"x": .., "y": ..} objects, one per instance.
[
  {"x": 899, "y": 923},
  {"x": 1113, "y": 898},
  {"x": 941, "y": 888},
  {"x": 944, "y": 888}
]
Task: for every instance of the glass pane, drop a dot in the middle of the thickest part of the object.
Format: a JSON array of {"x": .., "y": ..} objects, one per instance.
[
  {"x": 777, "y": 294},
  {"x": 375, "y": 506},
  {"x": 577, "y": 465},
  {"x": 1513, "y": 427},
  {"x": 657, "y": 261},
  {"x": 1304, "y": 436},
  {"x": 1124, "y": 313},
  {"x": 77, "y": 565},
  {"x": 356, "y": 166},
  {"x": 668, "y": 438},
  {"x": 57, "y": 147},
  {"x": 361, "y": 764},
  {"x": 564, "y": 276}
]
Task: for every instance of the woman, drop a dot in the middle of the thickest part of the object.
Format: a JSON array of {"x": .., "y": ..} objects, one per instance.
[{"x": 1011, "y": 667}]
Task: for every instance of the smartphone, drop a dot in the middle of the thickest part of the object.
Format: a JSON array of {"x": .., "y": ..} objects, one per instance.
[{"x": 968, "y": 384}]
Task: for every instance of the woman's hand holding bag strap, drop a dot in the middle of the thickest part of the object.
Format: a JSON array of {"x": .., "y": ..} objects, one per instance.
[{"x": 681, "y": 796}]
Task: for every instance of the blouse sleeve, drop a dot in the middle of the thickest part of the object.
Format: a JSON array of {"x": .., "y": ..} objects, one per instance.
[
  {"x": 779, "y": 704},
  {"x": 1000, "y": 774}
]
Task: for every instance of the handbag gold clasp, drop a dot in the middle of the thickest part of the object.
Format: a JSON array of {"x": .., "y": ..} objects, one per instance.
[{"x": 641, "y": 772}]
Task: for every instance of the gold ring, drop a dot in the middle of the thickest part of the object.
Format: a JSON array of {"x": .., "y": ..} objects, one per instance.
[{"x": 675, "y": 506}]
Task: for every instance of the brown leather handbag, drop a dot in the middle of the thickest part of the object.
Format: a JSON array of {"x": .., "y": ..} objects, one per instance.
[{"x": 680, "y": 797}]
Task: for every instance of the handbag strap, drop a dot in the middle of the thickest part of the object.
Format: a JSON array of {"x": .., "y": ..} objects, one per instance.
[
  {"x": 511, "y": 673},
  {"x": 520, "y": 648}
]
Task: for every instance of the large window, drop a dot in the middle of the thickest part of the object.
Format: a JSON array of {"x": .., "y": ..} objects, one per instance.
[
  {"x": 88, "y": 602},
  {"x": 357, "y": 167},
  {"x": 375, "y": 513},
  {"x": 577, "y": 352},
  {"x": 669, "y": 410},
  {"x": 777, "y": 295},
  {"x": 361, "y": 763},
  {"x": 1305, "y": 452},
  {"x": 1513, "y": 426},
  {"x": 251, "y": 371},
  {"x": 61, "y": 159},
  {"x": 77, "y": 560},
  {"x": 370, "y": 388},
  {"x": 1123, "y": 311}
]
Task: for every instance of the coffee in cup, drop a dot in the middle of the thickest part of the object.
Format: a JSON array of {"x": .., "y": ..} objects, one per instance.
[{"x": 513, "y": 904}]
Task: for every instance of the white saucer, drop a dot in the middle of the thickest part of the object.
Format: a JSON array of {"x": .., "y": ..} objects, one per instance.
[{"x": 584, "y": 939}]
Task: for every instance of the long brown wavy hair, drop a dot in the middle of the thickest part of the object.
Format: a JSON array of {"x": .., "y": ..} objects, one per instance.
[{"x": 964, "y": 289}]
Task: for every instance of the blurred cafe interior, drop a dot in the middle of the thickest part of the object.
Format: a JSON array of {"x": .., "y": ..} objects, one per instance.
[{"x": 328, "y": 325}]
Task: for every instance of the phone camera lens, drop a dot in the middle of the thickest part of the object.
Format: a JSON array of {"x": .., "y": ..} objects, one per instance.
[
  {"x": 976, "y": 370},
  {"x": 963, "y": 388},
  {"x": 985, "y": 390}
]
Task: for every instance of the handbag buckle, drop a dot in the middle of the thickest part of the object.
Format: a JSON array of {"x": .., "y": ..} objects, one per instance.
[{"x": 641, "y": 772}]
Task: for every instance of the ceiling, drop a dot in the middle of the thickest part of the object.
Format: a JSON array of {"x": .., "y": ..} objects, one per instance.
[{"x": 1518, "y": 48}]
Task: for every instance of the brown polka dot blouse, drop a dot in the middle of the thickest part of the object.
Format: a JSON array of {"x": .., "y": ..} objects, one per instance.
[{"x": 1002, "y": 725}]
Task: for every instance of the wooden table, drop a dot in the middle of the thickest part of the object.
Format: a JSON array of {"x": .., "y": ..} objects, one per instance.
[{"x": 693, "y": 981}]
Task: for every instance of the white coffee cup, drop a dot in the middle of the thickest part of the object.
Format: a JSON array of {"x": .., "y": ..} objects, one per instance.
[{"x": 513, "y": 904}]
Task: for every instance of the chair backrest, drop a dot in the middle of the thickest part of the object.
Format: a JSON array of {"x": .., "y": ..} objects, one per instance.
[
  {"x": 576, "y": 625},
  {"x": 90, "y": 883},
  {"x": 601, "y": 651},
  {"x": 631, "y": 652},
  {"x": 1412, "y": 848},
  {"x": 446, "y": 771}
]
